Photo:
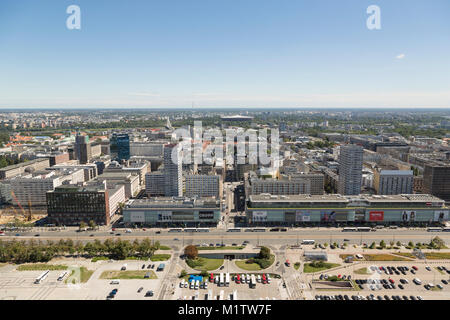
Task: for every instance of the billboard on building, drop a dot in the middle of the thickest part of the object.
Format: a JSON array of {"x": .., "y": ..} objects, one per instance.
[
  {"x": 376, "y": 215},
  {"x": 301, "y": 216},
  {"x": 408, "y": 216},
  {"x": 441, "y": 215},
  {"x": 360, "y": 215},
  {"x": 137, "y": 217},
  {"x": 259, "y": 216}
]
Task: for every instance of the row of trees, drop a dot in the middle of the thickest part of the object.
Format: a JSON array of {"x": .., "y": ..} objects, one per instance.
[{"x": 37, "y": 251}]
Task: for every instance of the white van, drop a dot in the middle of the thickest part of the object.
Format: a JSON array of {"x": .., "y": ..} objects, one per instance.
[
  {"x": 247, "y": 278},
  {"x": 115, "y": 282},
  {"x": 417, "y": 281},
  {"x": 268, "y": 278},
  {"x": 258, "y": 278},
  {"x": 191, "y": 284},
  {"x": 197, "y": 285},
  {"x": 182, "y": 284}
]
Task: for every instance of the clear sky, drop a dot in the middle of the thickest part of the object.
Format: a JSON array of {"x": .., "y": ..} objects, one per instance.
[{"x": 225, "y": 53}]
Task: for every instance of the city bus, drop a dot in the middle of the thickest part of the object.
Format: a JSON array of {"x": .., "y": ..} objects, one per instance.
[
  {"x": 308, "y": 241},
  {"x": 349, "y": 229},
  {"x": 42, "y": 277},
  {"x": 446, "y": 229},
  {"x": 202, "y": 229},
  {"x": 364, "y": 229},
  {"x": 221, "y": 280},
  {"x": 190, "y": 230},
  {"x": 175, "y": 230},
  {"x": 234, "y": 230},
  {"x": 434, "y": 229},
  {"x": 259, "y": 229},
  {"x": 253, "y": 282}
]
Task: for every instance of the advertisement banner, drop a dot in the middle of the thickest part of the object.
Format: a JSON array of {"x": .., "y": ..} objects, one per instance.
[
  {"x": 259, "y": 216},
  {"x": 327, "y": 216},
  {"x": 408, "y": 216},
  {"x": 376, "y": 215},
  {"x": 301, "y": 216},
  {"x": 137, "y": 217},
  {"x": 360, "y": 215},
  {"x": 441, "y": 216}
]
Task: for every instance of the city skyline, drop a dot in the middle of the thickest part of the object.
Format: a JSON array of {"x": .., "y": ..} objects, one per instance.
[{"x": 225, "y": 54}]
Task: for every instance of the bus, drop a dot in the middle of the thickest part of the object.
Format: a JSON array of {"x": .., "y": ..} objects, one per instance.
[
  {"x": 364, "y": 229},
  {"x": 175, "y": 230},
  {"x": 349, "y": 229},
  {"x": 308, "y": 241},
  {"x": 434, "y": 229},
  {"x": 42, "y": 277},
  {"x": 190, "y": 230},
  {"x": 259, "y": 229},
  {"x": 202, "y": 229},
  {"x": 446, "y": 229},
  {"x": 227, "y": 279},
  {"x": 234, "y": 230},
  {"x": 221, "y": 280},
  {"x": 253, "y": 282}
]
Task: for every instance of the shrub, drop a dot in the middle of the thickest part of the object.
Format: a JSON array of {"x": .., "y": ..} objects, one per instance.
[{"x": 191, "y": 252}]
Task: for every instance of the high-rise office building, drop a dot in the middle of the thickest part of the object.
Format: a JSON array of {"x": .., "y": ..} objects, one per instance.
[
  {"x": 120, "y": 146},
  {"x": 82, "y": 148},
  {"x": 436, "y": 179},
  {"x": 173, "y": 183},
  {"x": 350, "y": 170}
]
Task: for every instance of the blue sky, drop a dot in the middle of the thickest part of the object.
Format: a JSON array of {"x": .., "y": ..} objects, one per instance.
[{"x": 224, "y": 53}]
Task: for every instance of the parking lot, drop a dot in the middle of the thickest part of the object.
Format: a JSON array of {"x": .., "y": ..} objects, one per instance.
[
  {"x": 272, "y": 290},
  {"x": 391, "y": 281},
  {"x": 19, "y": 285}
]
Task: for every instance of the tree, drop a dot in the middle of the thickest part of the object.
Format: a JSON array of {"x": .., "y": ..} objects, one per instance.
[
  {"x": 92, "y": 225},
  {"x": 264, "y": 253},
  {"x": 382, "y": 244},
  {"x": 372, "y": 246},
  {"x": 191, "y": 252},
  {"x": 399, "y": 244},
  {"x": 82, "y": 225},
  {"x": 437, "y": 243},
  {"x": 183, "y": 273}
]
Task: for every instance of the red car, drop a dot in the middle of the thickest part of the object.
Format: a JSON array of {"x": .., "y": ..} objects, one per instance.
[
  {"x": 391, "y": 281},
  {"x": 211, "y": 277},
  {"x": 415, "y": 268},
  {"x": 238, "y": 279},
  {"x": 264, "y": 279},
  {"x": 288, "y": 264}
]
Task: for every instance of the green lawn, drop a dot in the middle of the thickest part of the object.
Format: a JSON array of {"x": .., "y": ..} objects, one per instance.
[
  {"x": 297, "y": 265},
  {"x": 204, "y": 263},
  {"x": 222, "y": 248},
  {"x": 160, "y": 257},
  {"x": 253, "y": 266},
  {"x": 383, "y": 257},
  {"x": 405, "y": 254},
  {"x": 437, "y": 255},
  {"x": 127, "y": 274},
  {"x": 85, "y": 275},
  {"x": 362, "y": 271},
  {"x": 41, "y": 266},
  {"x": 95, "y": 259},
  {"x": 312, "y": 267},
  {"x": 164, "y": 248}
]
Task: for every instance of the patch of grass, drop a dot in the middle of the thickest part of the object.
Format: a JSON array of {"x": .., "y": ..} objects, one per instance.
[
  {"x": 437, "y": 255},
  {"x": 255, "y": 264},
  {"x": 85, "y": 274},
  {"x": 127, "y": 274},
  {"x": 95, "y": 259},
  {"x": 362, "y": 271},
  {"x": 405, "y": 254},
  {"x": 164, "y": 248},
  {"x": 41, "y": 267},
  {"x": 318, "y": 266},
  {"x": 160, "y": 257},
  {"x": 383, "y": 257},
  {"x": 222, "y": 248},
  {"x": 204, "y": 263},
  {"x": 297, "y": 265}
]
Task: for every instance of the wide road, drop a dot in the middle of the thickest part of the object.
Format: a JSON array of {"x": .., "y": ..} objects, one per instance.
[{"x": 216, "y": 236}]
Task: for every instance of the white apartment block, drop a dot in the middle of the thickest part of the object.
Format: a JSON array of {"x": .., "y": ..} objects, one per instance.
[{"x": 203, "y": 185}]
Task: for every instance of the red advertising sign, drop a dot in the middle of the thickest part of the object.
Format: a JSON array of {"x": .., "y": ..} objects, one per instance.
[{"x": 376, "y": 215}]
